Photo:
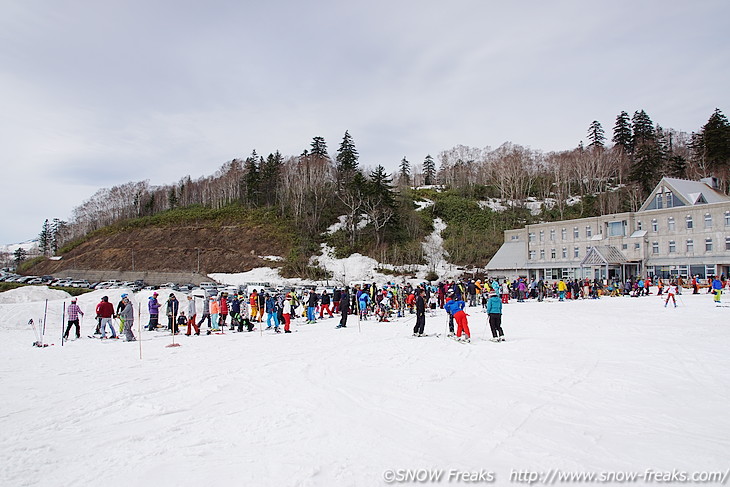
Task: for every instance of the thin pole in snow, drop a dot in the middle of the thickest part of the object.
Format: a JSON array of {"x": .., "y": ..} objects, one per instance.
[
  {"x": 45, "y": 314},
  {"x": 63, "y": 316},
  {"x": 139, "y": 328}
]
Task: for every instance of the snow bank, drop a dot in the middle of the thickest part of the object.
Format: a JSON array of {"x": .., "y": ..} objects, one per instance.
[{"x": 29, "y": 294}]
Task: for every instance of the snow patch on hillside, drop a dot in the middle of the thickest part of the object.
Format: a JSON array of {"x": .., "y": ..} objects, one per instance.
[{"x": 31, "y": 294}]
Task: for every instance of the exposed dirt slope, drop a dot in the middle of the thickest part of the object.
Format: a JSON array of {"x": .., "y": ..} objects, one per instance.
[{"x": 174, "y": 248}]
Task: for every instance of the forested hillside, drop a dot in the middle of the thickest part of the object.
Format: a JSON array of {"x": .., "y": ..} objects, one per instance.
[{"x": 284, "y": 205}]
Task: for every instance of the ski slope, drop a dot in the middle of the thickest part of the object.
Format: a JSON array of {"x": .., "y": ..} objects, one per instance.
[{"x": 618, "y": 384}]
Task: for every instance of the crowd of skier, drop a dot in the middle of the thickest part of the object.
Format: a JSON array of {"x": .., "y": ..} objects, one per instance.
[{"x": 276, "y": 310}]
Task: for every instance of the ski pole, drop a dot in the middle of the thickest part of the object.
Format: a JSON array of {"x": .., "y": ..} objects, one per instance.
[{"x": 139, "y": 328}]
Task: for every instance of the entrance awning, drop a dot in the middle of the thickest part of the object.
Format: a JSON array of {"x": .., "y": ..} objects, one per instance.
[{"x": 603, "y": 255}]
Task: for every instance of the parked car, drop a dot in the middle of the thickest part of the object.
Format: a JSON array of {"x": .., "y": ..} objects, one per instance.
[
  {"x": 80, "y": 283},
  {"x": 35, "y": 281}
]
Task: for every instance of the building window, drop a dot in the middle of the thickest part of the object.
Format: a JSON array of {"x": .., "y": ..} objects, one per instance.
[
  {"x": 708, "y": 245},
  {"x": 708, "y": 220},
  {"x": 655, "y": 247},
  {"x": 690, "y": 225},
  {"x": 542, "y": 235},
  {"x": 638, "y": 225},
  {"x": 552, "y": 253},
  {"x": 552, "y": 235},
  {"x": 659, "y": 201},
  {"x": 727, "y": 218},
  {"x": 575, "y": 232},
  {"x": 576, "y": 252},
  {"x": 565, "y": 252},
  {"x": 615, "y": 229},
  {"x": 670, "y": 223},
  {"x": 624, "y": 246},
  {"x": 672, "y": 246},
  {"x": 670, "y": 199},
  {"x": 531, "y": 236},
  {"x": 654, "y": 225},
  {"x": 690, "y": 245},
  {"x": 564, "y": 234},
  {"x": 637, "y": 246},
  {"x": 531, "y": 255},
  {"x": 542, "y": 254},
  {"x": 727, "y": 243},
  {"x": 589, "y": 231}
]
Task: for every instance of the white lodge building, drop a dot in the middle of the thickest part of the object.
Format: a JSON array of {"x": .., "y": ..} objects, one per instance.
[{"x": 682, "y": 229}]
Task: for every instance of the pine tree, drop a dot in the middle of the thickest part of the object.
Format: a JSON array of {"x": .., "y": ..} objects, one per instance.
[
  {"x": 429, "y": 171},
  {"x": 643, "y": 129},
  {"x": 404, "y": 175},
  {"x": 381, "y": 186},
  {"x": 172, "y": 198},
  {"x": 622, "y": 135},
  {"x": 677, "y": 167},
  {"x": 57, "y": 228},
  {"x": 319, "y": 148},
  {"x": 596, "y": 135},
  {"x": 270, "y": 176},
  {"x": 19, "y": 255},
  {"x": 251, "y": 180},
  {"x": 44, "y": 238},
  {"x": 645, "y": 170},
  {"x": 715, "y": 143},
  {"x": 347, "y": 155}
]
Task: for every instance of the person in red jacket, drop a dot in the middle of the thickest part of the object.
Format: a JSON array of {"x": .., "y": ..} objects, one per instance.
[
  {"x": 105, "y": 310},
  {"x": 223, "y": 302}
]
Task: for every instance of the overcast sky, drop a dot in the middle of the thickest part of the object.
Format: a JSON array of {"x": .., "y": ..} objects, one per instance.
[{"x": 97, "y": 93}]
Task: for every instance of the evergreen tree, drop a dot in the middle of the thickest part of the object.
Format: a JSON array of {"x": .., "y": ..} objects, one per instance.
[
  {"x": 45, "y": 237},
  {"x": 57, "y": 228},
  {"x": 677, "y": 167},
  {"x": 404, "y": 175},
  {"x": 643, "y": 129},
  {"x": 19, "y": 255},
  {"x": 347, "y": 155},
  {"x": 429, "y": 171},
  {"x": 319, "y": 148},
  {"x": 622, "y": 135},
  {"x": 172, "y": 198},
  {"x": 596, "y": 135},
  {"x": 270, "y": 176},
  {"x": 715, "y": 143},
  {"x": 381, "y": 186},
  {"x": 645, "y": 170},
  {"x": 251, "y": 180}
]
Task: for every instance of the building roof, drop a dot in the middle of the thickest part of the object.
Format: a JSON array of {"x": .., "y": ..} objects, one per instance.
[
  {"x": 511, "y": 255},
  {"x": 689, "y": 193},
  {"x": 603, "y": 255}
]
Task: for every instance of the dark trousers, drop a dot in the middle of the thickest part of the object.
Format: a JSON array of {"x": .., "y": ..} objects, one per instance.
[
  {"x": 203, "y": 318},
  {"x": 153, "y": 322},
  {"x": 420, "y": 323},
  {"x": 451, "y": 323},
  {"x": 495, "y": 323},
  {"x": 68, "y": 328},
  {"x": 343, "y": 320}
]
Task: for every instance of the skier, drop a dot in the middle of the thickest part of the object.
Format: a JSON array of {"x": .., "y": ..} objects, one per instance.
[
  {"x": 223, "y": 302},
  {"x": 127, "y": 317},
  {"x": 456, "y": 307},
  {"x": 206, "y": 314},
  {"x": 192, "y": 313},
  {"x": 287, "y": 310},
  {"x": 73, "y": 319},
  {"x": 154, "y": 308},
  {"x": 494, "y": 312},
  {"x": 420, "y": 314},
  {"x": 272, "y": 313},
  {"x": 325, "y": 305},
  {"x": 254, "y": 305},
  {"x": 120, "y": 307},
  {"x": 172, "y": 308},
  {"x": 344, "y": 308},
  {"x": 717, "y": 289},
  {"x": 671, "y": 291},
  {"x": 105, "y": 310},
  {"x": 214, "y": 311},
  {"x": 363, "y": 301},
  {"x": 311, "y": 306}
]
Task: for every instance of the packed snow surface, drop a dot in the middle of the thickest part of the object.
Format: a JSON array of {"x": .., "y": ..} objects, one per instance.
[{"x": 614, "y": 384}]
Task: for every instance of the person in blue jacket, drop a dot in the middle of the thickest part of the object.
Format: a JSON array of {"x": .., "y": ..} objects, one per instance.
[{"x": 494, "y": 311}]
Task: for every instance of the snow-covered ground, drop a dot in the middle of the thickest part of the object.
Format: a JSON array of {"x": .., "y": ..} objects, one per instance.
[{"x": 618, "y": 384}]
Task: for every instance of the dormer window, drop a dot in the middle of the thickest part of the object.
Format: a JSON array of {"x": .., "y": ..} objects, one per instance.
[
  {"x": 670, "y": 199},
  {"x": 659, "y": 201}
]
